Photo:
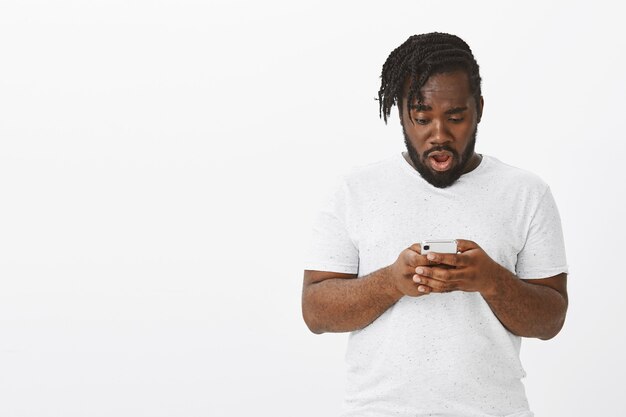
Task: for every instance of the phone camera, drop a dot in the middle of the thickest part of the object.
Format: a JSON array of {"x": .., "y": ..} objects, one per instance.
[{"x": 426, "y": 247}]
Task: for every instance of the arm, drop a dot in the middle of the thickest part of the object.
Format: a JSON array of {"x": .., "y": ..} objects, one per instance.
[
  {"x": 335, "y": 302},
  {"x": 528, "y": 308}
]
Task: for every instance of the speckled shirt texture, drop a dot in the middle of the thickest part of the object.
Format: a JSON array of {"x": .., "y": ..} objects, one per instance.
[{"x": 439, "y": 355}]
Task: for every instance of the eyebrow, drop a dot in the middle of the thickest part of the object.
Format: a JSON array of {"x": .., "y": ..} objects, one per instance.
[
  {"x": 424, "y": 107},
  {"x": 456, "y": 110}
]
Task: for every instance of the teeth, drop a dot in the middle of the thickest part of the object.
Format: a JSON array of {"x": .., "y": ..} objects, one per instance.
[{"x": 440, "y": 162}]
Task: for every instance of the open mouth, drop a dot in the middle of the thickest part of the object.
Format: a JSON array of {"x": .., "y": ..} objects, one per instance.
[{"x": 440, "y": 161}]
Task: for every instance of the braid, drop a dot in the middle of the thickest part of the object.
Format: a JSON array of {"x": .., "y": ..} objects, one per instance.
[{"x": 416, "y": 60}]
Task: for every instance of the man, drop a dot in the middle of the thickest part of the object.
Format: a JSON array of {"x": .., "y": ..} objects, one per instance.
[{"x": 436, "y": 334}]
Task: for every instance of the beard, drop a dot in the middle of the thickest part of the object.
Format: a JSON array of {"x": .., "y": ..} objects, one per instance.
[{"x": 436, "y": 178}]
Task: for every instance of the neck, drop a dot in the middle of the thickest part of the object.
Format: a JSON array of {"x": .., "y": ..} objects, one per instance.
[{"x": 473, "y": 163}]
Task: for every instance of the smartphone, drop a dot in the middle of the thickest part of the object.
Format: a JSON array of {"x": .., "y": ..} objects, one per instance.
[{"x": 439, "y": 246}]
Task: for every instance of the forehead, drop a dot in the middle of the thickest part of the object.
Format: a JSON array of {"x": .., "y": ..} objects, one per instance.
[{"x": 450, "y": 86}]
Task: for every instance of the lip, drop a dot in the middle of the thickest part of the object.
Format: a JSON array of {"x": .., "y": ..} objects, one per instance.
[
  {"x": 440, "y": 166},
  {"x": 438, "y": 153}
]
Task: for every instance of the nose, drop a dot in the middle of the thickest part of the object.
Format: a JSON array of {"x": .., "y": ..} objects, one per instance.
[{"x": 440, "y": 133}]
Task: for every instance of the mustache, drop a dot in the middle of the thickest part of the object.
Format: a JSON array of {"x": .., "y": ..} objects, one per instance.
[{"x": 439, "y": 149}]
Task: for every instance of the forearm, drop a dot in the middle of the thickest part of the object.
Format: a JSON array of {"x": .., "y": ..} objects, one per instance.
[
  {"x": 526, "y": 309},
  {"x": 343, "y": 305}
]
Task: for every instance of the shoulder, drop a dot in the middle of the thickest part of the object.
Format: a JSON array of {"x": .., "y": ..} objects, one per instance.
[
  {"x": 365, "y": 182},
  {"x": 360, "y": 181},
  {"x": 368, "y": 175},
  {"x": 513, "y": 177}
]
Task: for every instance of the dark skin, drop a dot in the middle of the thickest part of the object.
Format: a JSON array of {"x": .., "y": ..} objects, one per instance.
[
  {"x": 443, "y": 124},
  {"x": 336, "y": 302}
]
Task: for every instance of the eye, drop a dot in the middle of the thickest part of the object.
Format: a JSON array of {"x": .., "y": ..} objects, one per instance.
[
  {"x": 456, "y": 119},
  {"x": 421, "y": 121}
]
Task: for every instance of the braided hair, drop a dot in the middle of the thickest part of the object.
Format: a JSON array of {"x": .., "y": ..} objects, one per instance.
[{"x": 418, "y": 58}]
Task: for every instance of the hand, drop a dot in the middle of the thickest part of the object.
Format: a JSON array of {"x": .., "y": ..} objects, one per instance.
[
  {"x": 403, "y": 270},
  {"x": 472, "y": 270}
]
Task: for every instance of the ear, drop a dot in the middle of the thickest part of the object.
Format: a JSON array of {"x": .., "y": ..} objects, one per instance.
[{"x": 479, "y": 110}]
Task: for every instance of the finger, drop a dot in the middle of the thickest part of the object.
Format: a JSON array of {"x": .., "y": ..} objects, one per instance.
[
  {"x": 421, "y": 286},
  {"x": 451, "y": 259},
  {"x": 411, "y": 258},
  {"x": 422, "y": 260},
  {"x": 421, "y": 271},
  {"x": 432, "y": 285},
  {"x": 438, "y": 274},
  {"x": 424, "y": 289},
  {"x": 416, "y": 247},
  {"x": 463, "y": 245}
]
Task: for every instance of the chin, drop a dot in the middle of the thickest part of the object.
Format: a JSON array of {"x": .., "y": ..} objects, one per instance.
[{"x": 441, "y": 179}]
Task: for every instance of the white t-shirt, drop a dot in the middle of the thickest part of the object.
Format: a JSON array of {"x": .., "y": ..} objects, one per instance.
[{"x": 439, "y": 354}]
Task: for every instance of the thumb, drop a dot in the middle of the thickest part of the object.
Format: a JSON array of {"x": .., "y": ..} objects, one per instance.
[{"x": 463, "y": 245}]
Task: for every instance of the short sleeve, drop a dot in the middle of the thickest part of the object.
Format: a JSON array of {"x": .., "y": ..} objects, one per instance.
[
  {"x": 330, "y": 245},
  {"x": 543, "y": 254}
]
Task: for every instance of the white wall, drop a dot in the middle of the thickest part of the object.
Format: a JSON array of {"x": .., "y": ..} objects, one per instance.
[{"x": 160, "y": 164}]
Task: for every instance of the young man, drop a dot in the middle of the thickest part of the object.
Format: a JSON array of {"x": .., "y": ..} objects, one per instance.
[{"x": 436, "y": 334}]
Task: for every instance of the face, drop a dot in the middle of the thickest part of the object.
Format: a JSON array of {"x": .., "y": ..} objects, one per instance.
[{"x": 440, "y": 132}]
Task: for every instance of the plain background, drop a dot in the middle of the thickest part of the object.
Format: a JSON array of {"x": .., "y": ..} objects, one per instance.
[{"x": 161, "y": 163}]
